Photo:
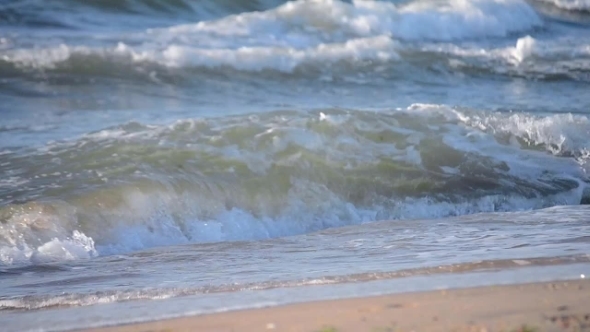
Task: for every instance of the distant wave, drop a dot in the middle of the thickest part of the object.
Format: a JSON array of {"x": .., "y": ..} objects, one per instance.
[
  {"x": 378, "y": 57},
  {"x": 325, "y": 39},
  {"x": 220, "y": 7},
  {"x": 282, "y": 173},
  {"x": 572, "y": 5},
  {"x": 76, "y": 13}
]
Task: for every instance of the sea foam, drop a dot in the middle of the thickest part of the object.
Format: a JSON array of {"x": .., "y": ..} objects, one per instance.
[
  {"x": 577, "y": 5},
  {"x": 312, "y": 33}
]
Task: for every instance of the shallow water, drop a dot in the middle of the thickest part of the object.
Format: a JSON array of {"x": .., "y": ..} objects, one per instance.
[{"x": 161, "y": 150}]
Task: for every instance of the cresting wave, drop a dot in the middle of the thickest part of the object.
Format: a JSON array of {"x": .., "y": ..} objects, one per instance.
[
  {"x": 317, "y": 38},
  {"x": 282, "y": 173},
  {"x": 373, "y": 57},
  {"x": 356, "y": 14}
]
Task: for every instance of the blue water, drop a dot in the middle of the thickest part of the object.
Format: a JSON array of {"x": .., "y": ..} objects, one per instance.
[{"x": 270, "y": 145}]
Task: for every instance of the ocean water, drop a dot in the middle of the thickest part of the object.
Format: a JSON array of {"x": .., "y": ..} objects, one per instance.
[{"x": 160, "y": 158}]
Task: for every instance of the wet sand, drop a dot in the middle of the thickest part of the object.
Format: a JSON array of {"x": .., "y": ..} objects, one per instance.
[{"x": 550, "y": 306}]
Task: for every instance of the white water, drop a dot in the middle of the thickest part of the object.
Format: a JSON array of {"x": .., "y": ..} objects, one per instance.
[
  {"x": 570, "y": 4},
  {"x": 301, "y": 33}
]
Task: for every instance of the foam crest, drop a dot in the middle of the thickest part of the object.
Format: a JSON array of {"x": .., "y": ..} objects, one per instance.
[
  {"x": 561, "y": 134},
  {"x": 379, "y": 48},
  {"x": 303, "y": 33},
  {"x": 528, "y": 57},
  {"x": 312, "y": 21},
  {"x": 41, "y": 233},
  {"x": 574, "y": 50},
  {"x": 524, "y": 48},
  {"x": 287, "y": 59},
  {"x": 75, "y": 247},
  {"x": 463, "y": 19},
  {"x": 577, "y": 5},
  {"x": 42, "y": 58}
]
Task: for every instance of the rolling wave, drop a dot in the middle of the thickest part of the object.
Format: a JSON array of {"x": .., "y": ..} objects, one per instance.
[
  {"x": 324, "y": 39},
  {"x": 359, "y": 60},
  {"x": 74, "y": 14},
  {"x": 282, "y": 173}
]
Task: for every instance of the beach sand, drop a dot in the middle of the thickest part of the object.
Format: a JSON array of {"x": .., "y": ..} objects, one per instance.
[{"x": 549, "y": 306}]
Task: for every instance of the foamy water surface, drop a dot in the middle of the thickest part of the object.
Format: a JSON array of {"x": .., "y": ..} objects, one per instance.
[{"x": 231, "y": 154}]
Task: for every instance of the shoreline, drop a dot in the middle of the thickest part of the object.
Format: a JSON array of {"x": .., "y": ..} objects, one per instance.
[{"x": 541, "y": 306}]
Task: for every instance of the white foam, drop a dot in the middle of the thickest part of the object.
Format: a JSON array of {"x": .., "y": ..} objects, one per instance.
[
  {"x": 75, "y": 247},
  {"x": 528, "y": 56},
  {"x": 559, "y": 134},
  {"x": 39, "y": 58},
  {"x": 460, "y": 19},
  {"x": 302, "y": 22},
  {"x": 573, "y": 52},
  {"x": 303, "y": 32},
  {"x": 287, "y": 59},
  {"x": 37, "y": 233},
  {"x": 524, "y": 48},
  {"x": 570, "y": 4},
  {"x": 78, "y": 246}
]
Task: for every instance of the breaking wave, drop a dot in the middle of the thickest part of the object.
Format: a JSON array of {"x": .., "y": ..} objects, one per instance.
[
  {"x": 315, "y": 38},
  {"x": 282, "y": 173}
]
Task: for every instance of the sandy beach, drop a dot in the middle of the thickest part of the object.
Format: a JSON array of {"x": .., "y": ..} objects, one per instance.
[{"x": 549, "y": 306}]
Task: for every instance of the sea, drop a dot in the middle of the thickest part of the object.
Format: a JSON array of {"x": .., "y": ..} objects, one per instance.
[{"x": 164, "y": 158}]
